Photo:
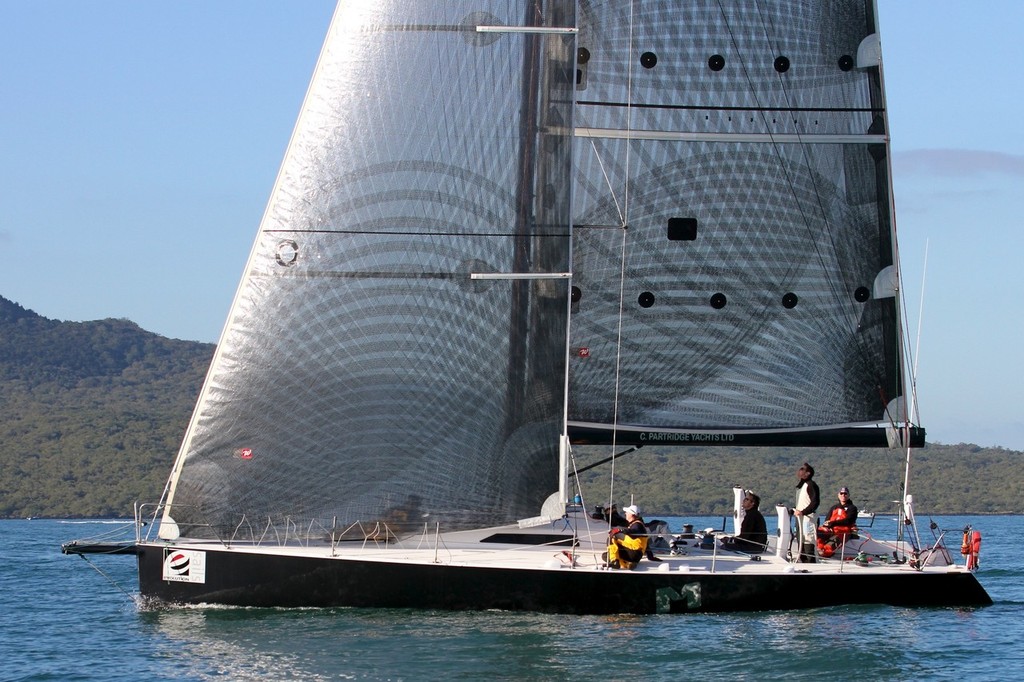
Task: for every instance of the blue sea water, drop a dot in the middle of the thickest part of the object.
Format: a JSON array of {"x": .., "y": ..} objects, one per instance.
[{"x": 60, "y": 619}]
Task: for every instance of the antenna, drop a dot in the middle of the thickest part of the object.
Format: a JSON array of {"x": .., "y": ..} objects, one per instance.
[{"x": 917, "y": 343}]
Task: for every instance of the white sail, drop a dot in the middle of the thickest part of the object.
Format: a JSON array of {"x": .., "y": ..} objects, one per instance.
[
  {"x": 368, "y": 371},
  {"x": 734, "y": 170}
]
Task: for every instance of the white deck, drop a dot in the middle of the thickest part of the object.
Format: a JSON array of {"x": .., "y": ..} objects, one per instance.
[{"x": 466, "y": 549}]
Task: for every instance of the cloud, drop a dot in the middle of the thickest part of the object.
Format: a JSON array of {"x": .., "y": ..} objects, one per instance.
[{"x": 957, "y": 163}]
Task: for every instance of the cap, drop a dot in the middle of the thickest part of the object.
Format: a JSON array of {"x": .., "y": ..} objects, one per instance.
[
  {"x": 631, "y": 509},
  {"x": 844, "y": 489}
]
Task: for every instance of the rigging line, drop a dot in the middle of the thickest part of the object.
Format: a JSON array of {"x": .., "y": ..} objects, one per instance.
[
  {"x": 622, "y": 261},
  {"x": 807, "y": 164},
  {"x": 113, "y": 582},
  {"x": 774, "y": 144},
  {"x": 910, "y": 392},
  {"x": 891, "y": 208},
  {"x": 917, "y": 350},
  {"x": 911, "y": 395},
  {"x": 910, "y": 353},
  {"x": 764, "y": 121},
  {"x": 629, "y": 118},
  {"x": 583, "y": 508},
  {"x": 911, "y": 410},
  {"x": 620, "y": 208},
  {"x": 768, "y": 27},
  {"x": 618, "y": 360},
  {"x": 593, "y": 465},
  {"x": 608, "y": 181},
  {"x": 904, "y": 435}
]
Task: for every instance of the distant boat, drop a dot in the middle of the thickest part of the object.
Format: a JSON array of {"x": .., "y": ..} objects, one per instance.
[{"x": 499, "y": 236}]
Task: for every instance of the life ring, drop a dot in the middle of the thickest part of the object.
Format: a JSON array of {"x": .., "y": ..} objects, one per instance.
[{"x": 973, "y": 556}]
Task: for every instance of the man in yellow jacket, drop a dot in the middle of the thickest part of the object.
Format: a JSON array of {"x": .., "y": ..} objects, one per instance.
[{"x": 627, "y": 545}]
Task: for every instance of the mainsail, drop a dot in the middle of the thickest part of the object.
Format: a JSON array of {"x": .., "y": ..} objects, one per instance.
[
  {"x": 733, "y": 254},
  {"x": 396, "y": 348}
]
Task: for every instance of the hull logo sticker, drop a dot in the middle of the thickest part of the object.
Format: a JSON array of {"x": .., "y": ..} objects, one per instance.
[{"x": 185, "y": 566}]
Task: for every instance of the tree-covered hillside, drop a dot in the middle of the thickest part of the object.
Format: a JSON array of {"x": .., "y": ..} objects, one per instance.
[
  {"x": 91, "y": 415},
  {"x": 944, "y": 479}
]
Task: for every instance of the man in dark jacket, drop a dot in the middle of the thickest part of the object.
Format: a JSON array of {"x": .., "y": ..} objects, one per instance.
[
  {"x": 807, "y": 500},
  {"x": 753, "y": 535}
]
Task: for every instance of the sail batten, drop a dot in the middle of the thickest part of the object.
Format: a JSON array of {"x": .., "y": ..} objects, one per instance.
[
  {"x": 682, "y": 136},
  {"x": 528, "y": 29}
]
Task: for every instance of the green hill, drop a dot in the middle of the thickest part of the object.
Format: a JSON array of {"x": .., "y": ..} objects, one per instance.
[
  {"x": 91, "y": 415},
  {"x": 945, "y": 479}
]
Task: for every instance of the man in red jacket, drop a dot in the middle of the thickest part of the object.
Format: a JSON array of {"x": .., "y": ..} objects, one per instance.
[{"x": 840, "y": 523}]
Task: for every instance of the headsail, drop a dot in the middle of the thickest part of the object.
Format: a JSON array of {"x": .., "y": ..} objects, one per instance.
[
  {"x": 364, "y": 374},
  {"x": 738, "y": 180}
]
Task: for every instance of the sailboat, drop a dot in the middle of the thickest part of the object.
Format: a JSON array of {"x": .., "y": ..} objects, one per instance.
[{"x": 505, "y": 230}]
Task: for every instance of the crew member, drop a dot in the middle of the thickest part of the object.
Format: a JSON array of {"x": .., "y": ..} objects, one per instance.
[
  {"x": 840, "y": 523},
  {"x": 807, "y": 500},
  {"x": 626, "y": 546},
  {"x": 753, "y": 530}
]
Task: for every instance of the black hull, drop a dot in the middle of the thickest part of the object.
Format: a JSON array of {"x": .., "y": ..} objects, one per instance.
[{"x": 263, "y": 580}]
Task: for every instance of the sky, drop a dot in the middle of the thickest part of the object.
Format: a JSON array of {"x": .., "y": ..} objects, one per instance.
[{"x": 139, "y": 142}]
